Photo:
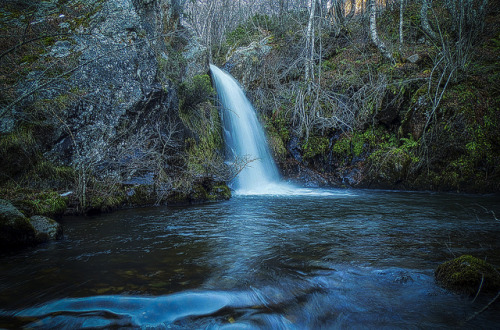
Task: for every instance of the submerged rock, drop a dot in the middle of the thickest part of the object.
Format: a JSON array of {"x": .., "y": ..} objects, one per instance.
[{"x": 467, "y": 274}]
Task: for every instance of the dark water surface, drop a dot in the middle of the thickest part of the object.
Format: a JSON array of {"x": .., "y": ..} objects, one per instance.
[{"x": 348, "y": 259}]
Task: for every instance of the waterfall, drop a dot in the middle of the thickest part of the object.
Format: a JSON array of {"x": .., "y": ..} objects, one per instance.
[{"x": 244, "y": 137}]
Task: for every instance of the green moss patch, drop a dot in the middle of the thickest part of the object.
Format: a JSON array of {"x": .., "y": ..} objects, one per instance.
[
  {"x": 315, "y": 145},
  {"x": 48, "y": 203},
  {"x": 220, "y": 192}
]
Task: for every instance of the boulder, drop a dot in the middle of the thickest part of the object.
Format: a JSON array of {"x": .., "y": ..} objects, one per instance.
[
  {"x": 46, "y": 229},
  {"x": 15, "y": 228},
  {"x": 244, "y": 63},
  {"x": 17, "y": 231},
  {"x": 466, "y": 274}
]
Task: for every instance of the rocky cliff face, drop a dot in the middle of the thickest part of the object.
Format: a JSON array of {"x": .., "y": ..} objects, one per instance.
[
  {"x": 117, "y": 83},
  {"x": 95, "y": 84},
  {"x": 93, "y": 101}
]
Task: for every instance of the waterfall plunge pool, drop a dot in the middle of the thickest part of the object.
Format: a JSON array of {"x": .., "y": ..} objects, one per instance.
[{"x": 342, "y": 259}]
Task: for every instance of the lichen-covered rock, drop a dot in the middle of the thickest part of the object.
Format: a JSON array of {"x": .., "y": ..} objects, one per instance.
[
  {"x": 196, "y": 55},
  {"x": 101, "y": 83},
  {"x": 466, "y": 274},
  {"x": 117, "y": 80},
  {"x": 245, "y": 62},
  {"x": 15, "y": 228},
  {"x": 46, "y": 229}
]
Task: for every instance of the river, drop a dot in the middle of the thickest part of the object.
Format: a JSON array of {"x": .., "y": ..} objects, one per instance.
[{"x": 332, "y": 259}]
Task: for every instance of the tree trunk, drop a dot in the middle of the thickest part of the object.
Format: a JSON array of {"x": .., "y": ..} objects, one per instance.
[
  {"x": 401, "y": 26},
  {"x": 373, "y": 32},
  {"x": 337, "y": 15},
  {"x": 352, "y": 10},
  {"x": 425, "y": 21},
  {"x": 309, "y": 74}
]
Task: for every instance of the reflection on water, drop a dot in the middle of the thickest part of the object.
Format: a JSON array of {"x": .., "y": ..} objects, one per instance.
[{"x": 336, "y": 259}]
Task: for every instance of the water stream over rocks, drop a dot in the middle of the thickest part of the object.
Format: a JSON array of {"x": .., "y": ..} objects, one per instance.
[
  {"x": 245, "y": 140},
  {"x": 341, "y": 259}
]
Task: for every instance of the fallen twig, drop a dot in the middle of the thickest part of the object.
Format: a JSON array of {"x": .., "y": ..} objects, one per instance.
[{"x": 484, "y": 308}]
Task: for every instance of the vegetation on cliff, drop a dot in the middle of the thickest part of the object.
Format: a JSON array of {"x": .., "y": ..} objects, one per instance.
[{"x": 421, "y": 114}]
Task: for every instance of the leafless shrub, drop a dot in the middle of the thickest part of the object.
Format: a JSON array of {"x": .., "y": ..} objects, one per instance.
[{"x": 456, "y": 43}]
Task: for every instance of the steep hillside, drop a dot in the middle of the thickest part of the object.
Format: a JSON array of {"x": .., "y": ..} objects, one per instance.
[{"x": 429, "y": 120}]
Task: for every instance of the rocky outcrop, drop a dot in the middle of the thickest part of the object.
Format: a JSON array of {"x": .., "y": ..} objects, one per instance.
[
  {"x": 89, "y": 85},
  {"x": 196, "y": 55},
  {"x": 244, "y": 62},
  {"x": 18, "y": 231},
  {"x": 117, "y": 82}
]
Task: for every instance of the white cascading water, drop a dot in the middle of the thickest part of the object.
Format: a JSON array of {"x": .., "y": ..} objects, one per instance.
[{"x": 245, "y": 138}]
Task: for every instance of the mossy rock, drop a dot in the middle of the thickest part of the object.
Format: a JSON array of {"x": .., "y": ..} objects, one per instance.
[
  {"x": 46, "y": 229},
  {"x": 178, "y": 198},
  {"x": 105, "y": 203},
  {"x": 201, "y": 192},
  {"x": 15, "y": 228},
  {"x": 465, "y": 274},
  {"x": 216, "y": 191},
  {"x": 221, "y": 192},
  {"x": 314, "y": 146},
  {"x": 139, "y": 195}
]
